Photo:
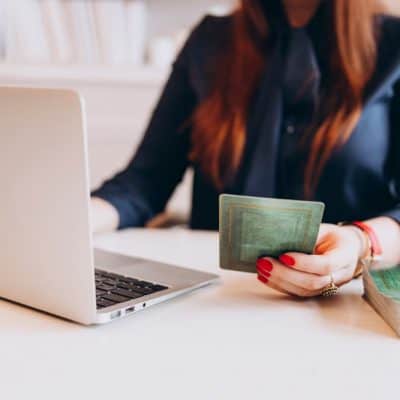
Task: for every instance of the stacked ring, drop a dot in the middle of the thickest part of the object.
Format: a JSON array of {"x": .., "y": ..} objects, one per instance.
[{"x": 331, "y": 289}]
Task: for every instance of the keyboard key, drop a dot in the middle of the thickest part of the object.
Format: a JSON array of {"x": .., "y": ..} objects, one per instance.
[
  {"x": 159, "y": 287},
  {"x": 108, "y": 274},
  {"x": 127, "y": 293},
  {"x": 105, "y": 287},
  {"x": 101, "y": 303},
  {"x": 143, "y": 284},
  {"x": 123, "y": 285},
  {"x": 143, "y": 291},
  {"x": 108, "y": 281},
  {"x": 115, "y": 298},
  {"x": 100, "y": 292},
  {"x": 128, "y": 281}
]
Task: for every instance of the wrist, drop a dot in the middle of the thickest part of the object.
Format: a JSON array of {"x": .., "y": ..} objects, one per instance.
[
  {"x": 373, "y": 239},
  {"x": 363, "y": 249},
  {"x": 361, "y": 240},
  {"x": 104, "y": 216},
  {"x": 369, "y": 251}
]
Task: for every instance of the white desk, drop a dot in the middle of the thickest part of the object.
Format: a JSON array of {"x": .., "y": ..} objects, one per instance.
[{"x": 234, "y": 340}]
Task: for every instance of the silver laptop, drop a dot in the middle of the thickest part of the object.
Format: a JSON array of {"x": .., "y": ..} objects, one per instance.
[{"x": 47, "y": 260}]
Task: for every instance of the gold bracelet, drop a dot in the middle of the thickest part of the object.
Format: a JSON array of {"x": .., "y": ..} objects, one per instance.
[
  {"x": 363, "y": 261},
  {"x": 359, "y": 269},
  {"x": 366, "y": 243}
]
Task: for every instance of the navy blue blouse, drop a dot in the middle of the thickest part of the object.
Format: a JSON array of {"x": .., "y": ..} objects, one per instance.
[{"x": 360, "y": 181}]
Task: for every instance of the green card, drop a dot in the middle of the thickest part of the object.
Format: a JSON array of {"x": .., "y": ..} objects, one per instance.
[
  {"x": 387, "y": 281},
  {"x": 252, "y": 227}
]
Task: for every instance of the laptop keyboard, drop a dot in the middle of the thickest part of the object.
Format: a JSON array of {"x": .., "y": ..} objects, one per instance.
[{"x": 112, "y": 289}]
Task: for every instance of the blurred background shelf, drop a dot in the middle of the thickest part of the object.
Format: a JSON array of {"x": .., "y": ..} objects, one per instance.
[
  {"x": 116, "y": 53},
  {"x": 83, "y": 74}
]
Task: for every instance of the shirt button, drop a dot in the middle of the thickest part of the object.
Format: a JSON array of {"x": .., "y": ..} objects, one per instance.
[{"x": 290, "y": 129}]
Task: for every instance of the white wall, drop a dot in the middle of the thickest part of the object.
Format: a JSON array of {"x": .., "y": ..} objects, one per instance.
[
  {"x": 394, "y": 5},
  {"x": 168, "y": 16},
  {"x": 119, "y": 113}
]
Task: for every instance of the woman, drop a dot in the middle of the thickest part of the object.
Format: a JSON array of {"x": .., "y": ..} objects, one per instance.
[{"x": 285, "y": 98}]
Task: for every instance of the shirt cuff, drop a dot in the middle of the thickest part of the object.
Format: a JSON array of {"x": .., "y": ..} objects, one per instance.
[
  {"x": 393, "y": 213},
  {"x": 129, "y": 216}
]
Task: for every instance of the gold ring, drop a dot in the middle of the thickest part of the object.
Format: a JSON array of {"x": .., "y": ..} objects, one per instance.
[{"x": 331, "y": 289}]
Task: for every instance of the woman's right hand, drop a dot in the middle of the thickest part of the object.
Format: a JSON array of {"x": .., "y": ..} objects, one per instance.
[
  {"x": 104, "y": 216},
  {"x": 336, "y": 257}
]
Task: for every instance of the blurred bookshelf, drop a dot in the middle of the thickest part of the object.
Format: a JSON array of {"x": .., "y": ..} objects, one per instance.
[
  {"x": 116, "y": 53},
  {"x": 95, "y": 40},
  {"x": 71, "y": 74},
  {"x": 105, "y": 41}
]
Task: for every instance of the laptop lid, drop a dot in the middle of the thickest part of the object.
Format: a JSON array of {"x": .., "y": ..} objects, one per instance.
[{"x": 46, "y": 258}]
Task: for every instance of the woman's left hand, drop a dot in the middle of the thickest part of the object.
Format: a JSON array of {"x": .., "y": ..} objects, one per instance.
[{"x": 335, "y": 258}]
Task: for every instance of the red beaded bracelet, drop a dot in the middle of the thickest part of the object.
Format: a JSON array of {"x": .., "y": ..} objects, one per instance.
[{"x": 376, "y": 249}]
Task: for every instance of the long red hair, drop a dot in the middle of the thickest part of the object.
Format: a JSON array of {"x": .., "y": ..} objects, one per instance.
[{"x": 219, "y": 122}]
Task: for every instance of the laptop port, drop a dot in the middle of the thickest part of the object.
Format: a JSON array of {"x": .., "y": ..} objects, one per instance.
[
  {"x": 115, "y": 314},
  {"x": 130, "y": 310}
]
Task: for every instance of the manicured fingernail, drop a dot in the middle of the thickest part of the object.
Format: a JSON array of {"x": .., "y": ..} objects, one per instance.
[
  {"x": 265, "y": 273},
  {"x": 262, "y": 279},
  {"x": 264, "y": 265},
  {"x": 287, "y": 260}
]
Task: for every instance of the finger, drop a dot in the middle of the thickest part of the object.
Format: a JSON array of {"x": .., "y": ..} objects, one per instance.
[
  {"x": 323, "y": 229},
  {"x": 343, "y": 276},
  {"x": 310, "y": 282},
  {"x": 266, "y": 282},
  {"x": 272, "y": 285},
  {"x": 319, "y": 264},
  {"x": 286, "y": 287}
]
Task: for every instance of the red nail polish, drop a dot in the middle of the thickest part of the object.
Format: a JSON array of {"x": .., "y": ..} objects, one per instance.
[
  {"x": 287, "y": 260},
  {"x": 265, "y": 265},
  {"x": 265, "y": 273},
  {"x": 262, "y": 279}
]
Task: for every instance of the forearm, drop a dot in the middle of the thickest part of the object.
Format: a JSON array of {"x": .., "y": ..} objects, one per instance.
[
  {"x": 104, "y": 216},
  {"x": 388, "y": 232}
]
